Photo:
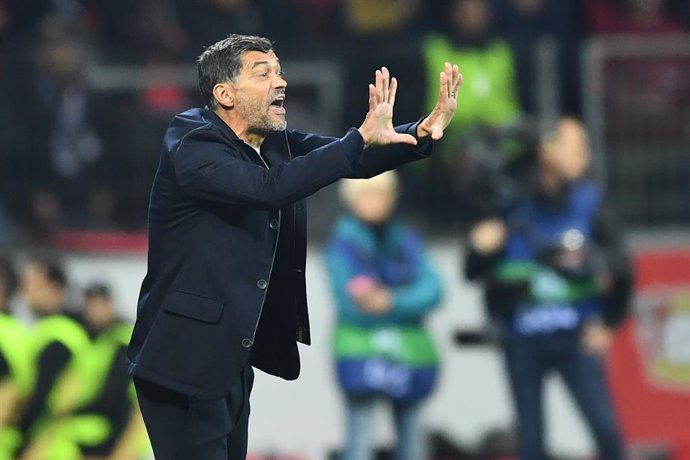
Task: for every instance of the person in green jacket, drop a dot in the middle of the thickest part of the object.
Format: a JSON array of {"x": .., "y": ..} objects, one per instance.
[
  {"x": 15, "y": 363},
  {"x": 109, "y": 393},
  {"x": 58, "y": 341},
  {"x": 490, "y": 100},
  {"x": 490, "y": 94}
]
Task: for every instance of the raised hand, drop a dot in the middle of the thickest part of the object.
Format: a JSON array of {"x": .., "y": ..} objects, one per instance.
[
  {"x": 377, "y": 128},
  {"x": 440, "y": 117}
]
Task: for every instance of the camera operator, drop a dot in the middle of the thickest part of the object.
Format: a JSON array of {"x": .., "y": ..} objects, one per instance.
[{"x": 557, "y": 282}]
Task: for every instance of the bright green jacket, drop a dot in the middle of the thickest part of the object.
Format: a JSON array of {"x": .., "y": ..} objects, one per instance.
[
  {"x": 489, "y": 91},
  {"x": 82, "y": 385},
  {"x": 71, "y": 334},
  {"x": 67, "y": 387},
  {"x": 15, "y": 348},
  {"x": 90, "y": 373}
]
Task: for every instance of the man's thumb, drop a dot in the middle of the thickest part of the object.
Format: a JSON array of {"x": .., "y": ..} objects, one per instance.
[
  {"x": 405, "y": 139},
  {"x": 437, "y": 133}
]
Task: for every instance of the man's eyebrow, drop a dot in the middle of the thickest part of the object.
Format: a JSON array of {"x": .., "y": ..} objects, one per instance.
[{"x": 258, "y": 63}]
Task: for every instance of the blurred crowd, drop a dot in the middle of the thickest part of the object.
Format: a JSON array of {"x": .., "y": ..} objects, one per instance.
[
  {"x": 64, "y": 391},
  {"x": 557, "y": 280},
  {"x": 75, "y": 156}
]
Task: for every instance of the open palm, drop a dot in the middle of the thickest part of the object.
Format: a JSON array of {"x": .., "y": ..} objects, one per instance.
[
  {"x": 433, "y": 125},
  {"x": 377, "y": 128}
]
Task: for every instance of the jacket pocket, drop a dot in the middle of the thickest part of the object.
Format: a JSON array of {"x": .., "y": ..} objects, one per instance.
[{"x": 194, "y": 306}]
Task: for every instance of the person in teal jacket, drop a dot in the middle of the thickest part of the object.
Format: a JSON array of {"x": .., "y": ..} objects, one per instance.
[{"x": 384, "y": 285}]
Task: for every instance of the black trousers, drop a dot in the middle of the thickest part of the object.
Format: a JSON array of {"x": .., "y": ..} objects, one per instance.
[{"x": 186, "y": 428}]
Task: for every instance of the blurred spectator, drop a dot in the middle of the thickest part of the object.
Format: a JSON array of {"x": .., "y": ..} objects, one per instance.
[
  {"x": 648, "y": 17},
  {"x": 56, "y": 154},
  {"x": 293, "y": 21},
  {"x": 107, "y": 394},
  {"x": 136, "y": 30},
  {"x": 4, "y": 19},
  {"x": 365, "y": 18},
  {"x": 384, "y": 286},
  {"x": 680, "y": 9},
  {"x": 208, "y": 21},
  {"x": 20, "y": 19},
  {"x": 525, "y": 23},
  {"x": 557, "y": 282},
  {"x": 488, "y": 98},
  {"x": 58, "y": 343},
  {"x": 489, "y": 93},
  {"x": 8, "y": 282},
  {"x": 15, "y": 363},
  {"x": 5, "y": 226}
]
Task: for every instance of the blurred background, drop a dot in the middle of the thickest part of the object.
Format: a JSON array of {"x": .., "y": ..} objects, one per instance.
[{"x": 87, "y": 88}]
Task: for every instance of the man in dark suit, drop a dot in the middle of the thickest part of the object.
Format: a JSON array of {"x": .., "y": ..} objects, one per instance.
[{"x": 225, "y": 288}]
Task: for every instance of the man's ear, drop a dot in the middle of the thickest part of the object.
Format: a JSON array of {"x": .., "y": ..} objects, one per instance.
[{"x": 224, "y": 93}]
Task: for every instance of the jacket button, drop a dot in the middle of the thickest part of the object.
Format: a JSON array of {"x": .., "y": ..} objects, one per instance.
[
  {"x": 274, "y": 224},
  {"x": 262, "y": 284},
  {"x": 247, "y": 343}
]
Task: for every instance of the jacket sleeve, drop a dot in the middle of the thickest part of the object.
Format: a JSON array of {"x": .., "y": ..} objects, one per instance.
[
  {"x": 500, "y": 297},
  {"x": 374, "y": 160},
  {"x": 420, "y": 296},
  {"x": 409, "y": 302},
  {"x": 608, "y": 238},
  {"x": 342, "y": 266},
  {"x": 208, "y": 169},
  {"x": 477, "y": 266}
]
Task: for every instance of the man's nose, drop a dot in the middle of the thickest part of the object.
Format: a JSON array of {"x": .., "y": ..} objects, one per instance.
[{"x": 280, "y": 82}]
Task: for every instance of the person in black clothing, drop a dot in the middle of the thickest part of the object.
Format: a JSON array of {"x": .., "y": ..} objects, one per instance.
[
  {"x": 557, "y": 281},
  {"x": 225, "y": 286}
]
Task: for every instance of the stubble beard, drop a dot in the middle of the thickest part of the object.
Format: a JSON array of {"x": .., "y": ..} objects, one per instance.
[{"x": 259, "y": 119}]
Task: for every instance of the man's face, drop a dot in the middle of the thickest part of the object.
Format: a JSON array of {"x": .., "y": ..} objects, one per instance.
[
  {"x": 373, "y": 205},
  {"x": 569, "y": 154},
  {"x": 260, "y": 92},
  {"x": 473, "y": 17},
  {"x": 40, "y": 294},
  {"x": 98, "y": 312}
]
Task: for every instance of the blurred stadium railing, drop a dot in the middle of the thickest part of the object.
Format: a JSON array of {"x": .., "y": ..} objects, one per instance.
[{"x": 636, "y": 99}]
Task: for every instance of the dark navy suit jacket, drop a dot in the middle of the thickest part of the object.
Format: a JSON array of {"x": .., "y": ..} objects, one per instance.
[{"x": 227, "y": 249}]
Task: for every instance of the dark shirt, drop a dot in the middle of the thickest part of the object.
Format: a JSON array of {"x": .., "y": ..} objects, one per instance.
[
  {"x": 112, "y": 403},
  {"x": 4, "y": 369},
  {"x": 51, "y": 362}
]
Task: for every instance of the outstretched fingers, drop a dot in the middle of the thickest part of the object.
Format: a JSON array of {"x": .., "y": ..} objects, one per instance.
[
  {"x": 393, "y": 91},
  {"x": 444, "y": 90},
  {"x": 379, "y": 86},
  {"x": 449, "y": 75},
  {"x": 457, "y": 81},
  {"x": 372, "y": 98},
  {"x": 386, "y": 83}
]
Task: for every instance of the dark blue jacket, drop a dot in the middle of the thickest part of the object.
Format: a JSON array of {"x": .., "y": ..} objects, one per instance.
[{"x": 227, "y": 249}]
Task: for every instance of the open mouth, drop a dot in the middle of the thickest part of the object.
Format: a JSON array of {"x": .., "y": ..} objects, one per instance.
[{"x": 278, "y": 102}]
